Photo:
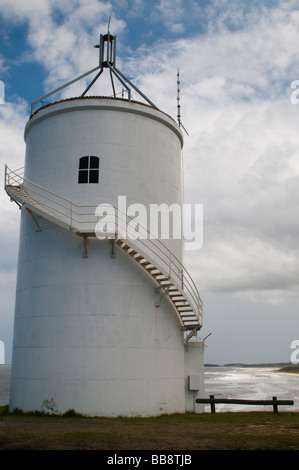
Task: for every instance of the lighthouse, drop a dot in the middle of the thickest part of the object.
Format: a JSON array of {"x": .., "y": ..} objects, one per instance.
[{"x": 106, "y": 319}]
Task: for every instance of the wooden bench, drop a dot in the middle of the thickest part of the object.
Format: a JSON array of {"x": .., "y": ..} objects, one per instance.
[{"x": 212, "y": 401}]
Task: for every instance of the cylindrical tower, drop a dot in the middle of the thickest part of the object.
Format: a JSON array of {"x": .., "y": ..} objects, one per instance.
[
  {"x": 99, "y": 323},
  {"x": 93, "y": 150}
]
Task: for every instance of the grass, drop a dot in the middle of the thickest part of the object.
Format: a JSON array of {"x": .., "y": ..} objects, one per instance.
[
  {"x": 294, "y": 369},
  {"x": 220, "y": 431}
]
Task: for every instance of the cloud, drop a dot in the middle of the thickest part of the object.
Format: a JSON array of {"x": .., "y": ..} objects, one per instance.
[
  {"x": 244, "y": 168},
  {"x": 3, "y": 67},
  {"x": 21, "y": 10},
  {"x": 257, "y": 57},
  {"x": 12, "y": 150},
  {"x": 60, "y": 32},
  {"x": 171, "y": 13},
  {"x": 240, "y": 159}
]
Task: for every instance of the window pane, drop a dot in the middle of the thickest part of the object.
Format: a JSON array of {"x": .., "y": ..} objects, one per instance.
[
  {"x": 83, "y": 176},
  {"x": 94, "y": 162},
  {"x": 94, "y": 176},
  {"x": 83, "y": 163}
]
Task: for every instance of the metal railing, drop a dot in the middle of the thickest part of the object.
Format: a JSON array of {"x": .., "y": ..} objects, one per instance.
[{"x": 83, "y": 219}]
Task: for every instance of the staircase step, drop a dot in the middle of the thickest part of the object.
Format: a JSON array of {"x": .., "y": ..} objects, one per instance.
[
  {"x": 160, "y": 277},
  {"x": 173, "y": 291},
  {"x": 155, "y": 272},
  {"x": 149, "y": 266},
  {"x": 131, "y": 252}
]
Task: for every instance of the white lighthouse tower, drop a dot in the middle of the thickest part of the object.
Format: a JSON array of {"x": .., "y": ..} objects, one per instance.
[{"x": 105, "y": 323}]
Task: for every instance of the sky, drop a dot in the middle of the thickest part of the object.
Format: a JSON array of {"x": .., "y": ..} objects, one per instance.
[{"x": 239, "y": 63}]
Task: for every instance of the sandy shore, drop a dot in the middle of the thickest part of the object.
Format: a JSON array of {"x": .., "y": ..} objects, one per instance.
[
  {"x": 278, "y": 372},
  {"x": 286, "y": 373},
  {"x": 293, "y": 374}
]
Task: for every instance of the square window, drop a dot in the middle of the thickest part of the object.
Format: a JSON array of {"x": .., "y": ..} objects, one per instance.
[
  {"x": 94, "y": 162},
  {"x": 83, "y": 176},
  {"x": 83, "y": 164},
  {"x": 94, "y": 176}
]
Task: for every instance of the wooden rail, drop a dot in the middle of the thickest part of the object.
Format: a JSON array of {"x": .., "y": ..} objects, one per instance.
[{"x": 233, "y": 401}]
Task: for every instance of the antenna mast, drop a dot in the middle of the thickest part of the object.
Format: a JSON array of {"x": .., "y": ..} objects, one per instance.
[
  {"x": 107, "y": 60},
  {"x": 178, "y": 100}
]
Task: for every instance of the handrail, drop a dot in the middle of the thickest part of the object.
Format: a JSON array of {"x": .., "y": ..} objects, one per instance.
[
  {"x": 72, "y": 212},
  {"x": 175, "y": 270}
]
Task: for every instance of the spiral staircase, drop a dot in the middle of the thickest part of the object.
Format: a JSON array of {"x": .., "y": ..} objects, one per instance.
[{"x": 170, "y": 277}]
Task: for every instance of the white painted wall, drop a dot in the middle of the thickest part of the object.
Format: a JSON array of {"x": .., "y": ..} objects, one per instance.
[
  {"x": 194, "y": 375},
  {"x": 87, "y": 334},
  {"x": 139, "y": 150}
]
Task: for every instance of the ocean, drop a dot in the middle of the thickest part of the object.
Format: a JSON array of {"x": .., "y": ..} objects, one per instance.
[
  {"x": 253, "y": 383},
  {"x": 4, "y": 384},
  {"x": 257, "y": 383}
]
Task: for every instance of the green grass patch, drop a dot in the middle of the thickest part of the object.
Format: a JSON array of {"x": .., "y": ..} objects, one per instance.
[
  {"x": 290, "y": 369},
  {"x": 189, "y": 431}
]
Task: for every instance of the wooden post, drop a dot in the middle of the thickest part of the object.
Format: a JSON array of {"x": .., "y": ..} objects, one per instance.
[
  {"x": 275, "y": 406},
  {"x": 213, "y": 409}
]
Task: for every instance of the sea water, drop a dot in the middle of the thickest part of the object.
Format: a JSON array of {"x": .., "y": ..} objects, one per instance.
[
  {"x": 4, "y": 384},
  {"x": 254, "y": 383}
]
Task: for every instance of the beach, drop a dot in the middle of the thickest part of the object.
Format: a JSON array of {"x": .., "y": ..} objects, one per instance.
[{"x": 253, "y": 383}]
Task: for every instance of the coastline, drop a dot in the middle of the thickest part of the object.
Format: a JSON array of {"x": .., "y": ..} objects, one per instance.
[
  {"x": 287, "y": 373},
  {"x": 278, "y": 372},
  {"x": 285, "y": 368}
]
